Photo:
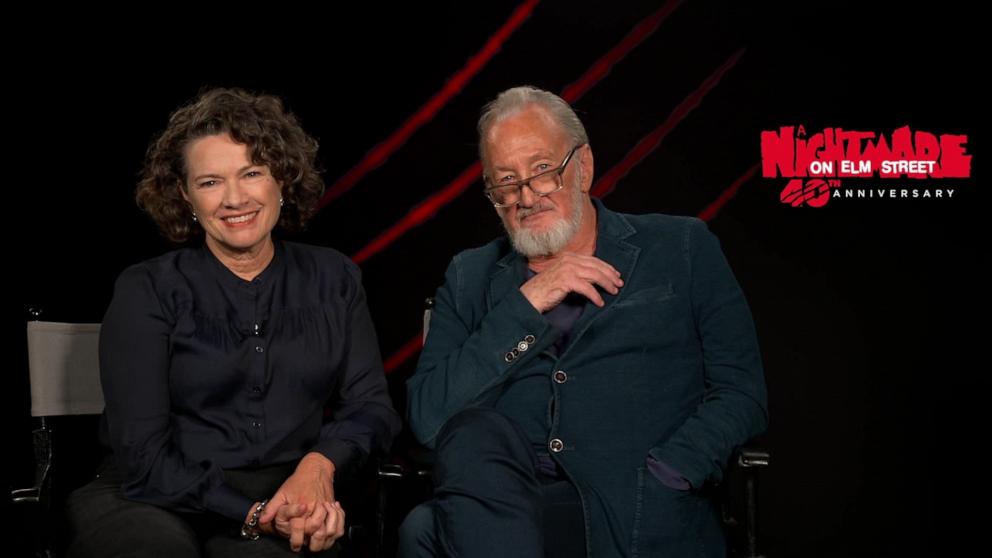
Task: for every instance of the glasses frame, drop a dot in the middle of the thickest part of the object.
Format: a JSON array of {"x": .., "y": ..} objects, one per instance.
[{"x": 519, "y": 184}]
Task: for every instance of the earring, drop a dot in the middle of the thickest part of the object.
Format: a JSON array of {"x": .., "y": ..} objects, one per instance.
[
  {"x": 194, "y": 217},
  {"x": 280, "y": 201}
]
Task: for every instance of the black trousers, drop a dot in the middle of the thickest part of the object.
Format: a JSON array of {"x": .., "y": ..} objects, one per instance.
[
  {"x": 490, "y": 499},
  {"x": 103, "y": 523}
]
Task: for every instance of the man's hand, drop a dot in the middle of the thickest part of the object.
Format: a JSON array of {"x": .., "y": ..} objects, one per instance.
[{"x": 571, "y": 273}]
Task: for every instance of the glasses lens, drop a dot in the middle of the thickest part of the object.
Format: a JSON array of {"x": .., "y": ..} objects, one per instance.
[
  {"x": 503, "y": 196},
  {"x": 545, "y": 183}
]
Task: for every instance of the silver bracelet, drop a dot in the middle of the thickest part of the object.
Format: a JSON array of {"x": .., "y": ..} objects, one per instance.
[{"x": 249, "y": 530}]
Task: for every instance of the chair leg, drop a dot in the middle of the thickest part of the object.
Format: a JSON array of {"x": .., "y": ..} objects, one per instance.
[
  {"x": 751, "y": 515},
  {"x": 750, "y": 460},
  {"x": 387, "y": 475}
]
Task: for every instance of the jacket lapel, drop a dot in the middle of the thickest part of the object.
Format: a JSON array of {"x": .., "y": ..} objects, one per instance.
[
  {"x": 611, "y": 247},
  {"x": 509, "y": 274}
]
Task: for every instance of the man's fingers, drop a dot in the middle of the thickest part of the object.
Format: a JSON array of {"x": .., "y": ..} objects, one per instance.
[
  {"x": 595, "y": 271},
  {"x": 607, "y": 268},
  {"x": 598, "y": 263},
  {"x": 603, "y": 279},
  {"x": 605, "y": 274},
  {"x": 574, "y": 273},
  {"x": 588, "y": 291}
]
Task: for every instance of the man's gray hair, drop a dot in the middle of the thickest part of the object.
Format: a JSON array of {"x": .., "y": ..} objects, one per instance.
[{"x": 514, "y": 100}]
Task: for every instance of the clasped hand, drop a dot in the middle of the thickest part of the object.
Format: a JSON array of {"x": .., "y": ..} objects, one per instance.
[{"x": 304, "y": 510}]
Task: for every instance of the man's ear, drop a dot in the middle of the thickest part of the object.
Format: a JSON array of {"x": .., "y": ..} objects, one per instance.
[{"x": 586, "y": 163}]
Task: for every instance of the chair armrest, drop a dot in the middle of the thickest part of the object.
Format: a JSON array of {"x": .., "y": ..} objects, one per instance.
[
  {"x": 751, "y": 456},
  {"x": 42, "y": 441}
]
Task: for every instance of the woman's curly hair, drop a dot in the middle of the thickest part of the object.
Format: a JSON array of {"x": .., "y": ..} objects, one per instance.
[{"x": 273, "y": 136}]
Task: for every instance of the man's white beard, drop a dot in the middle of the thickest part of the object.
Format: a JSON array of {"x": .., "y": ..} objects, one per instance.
[{"x": 555, "y": 238}]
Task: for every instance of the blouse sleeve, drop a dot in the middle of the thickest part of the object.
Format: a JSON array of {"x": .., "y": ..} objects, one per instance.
[
  {"x": 134, "y": 371},
  {"x": 363, "y": 419}
]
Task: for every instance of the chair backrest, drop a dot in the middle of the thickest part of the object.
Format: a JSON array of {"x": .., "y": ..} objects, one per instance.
[{"x": 65, "y": 369}]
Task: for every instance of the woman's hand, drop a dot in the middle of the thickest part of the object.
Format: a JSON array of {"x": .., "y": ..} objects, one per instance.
[
  {"x": 331, "y": 530},
  {"x": 280, "y": 524},
  {"x": 303, "y": 509}
]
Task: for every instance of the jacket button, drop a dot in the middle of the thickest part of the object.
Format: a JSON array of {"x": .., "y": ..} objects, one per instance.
[
  {"x": 523, "y": 346},
  {"x": 560, "y": 377},
  {"x": 530, "y": 338},
  {"x": 556, "y": 445},
  {"x": 508, "y": 357}
]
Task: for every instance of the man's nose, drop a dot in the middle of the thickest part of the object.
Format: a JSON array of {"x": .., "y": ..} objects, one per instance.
[{"x": 527, "y": 196}]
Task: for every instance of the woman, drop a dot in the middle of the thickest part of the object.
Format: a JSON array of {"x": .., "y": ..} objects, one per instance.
[{"x": 217, "y": 361}]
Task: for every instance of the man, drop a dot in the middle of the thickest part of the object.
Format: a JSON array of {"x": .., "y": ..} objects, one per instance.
[{"x": 582, "y": 381}]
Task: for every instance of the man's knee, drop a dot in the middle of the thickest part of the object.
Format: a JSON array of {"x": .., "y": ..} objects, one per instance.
[
  {"x": 417, "y": 534},
  {"x": 481, "y": 429},
  {"x": 481, "y": 443}
]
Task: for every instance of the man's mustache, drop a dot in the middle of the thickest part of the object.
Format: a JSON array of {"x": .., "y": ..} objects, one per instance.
[{"x": 523, "y": 212}]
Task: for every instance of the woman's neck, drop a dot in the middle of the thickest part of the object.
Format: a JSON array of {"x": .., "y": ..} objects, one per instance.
[{"x": 246, "y": 264}]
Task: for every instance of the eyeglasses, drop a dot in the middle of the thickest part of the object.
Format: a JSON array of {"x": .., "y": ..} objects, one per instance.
[{"x": 542, "y": 184}]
